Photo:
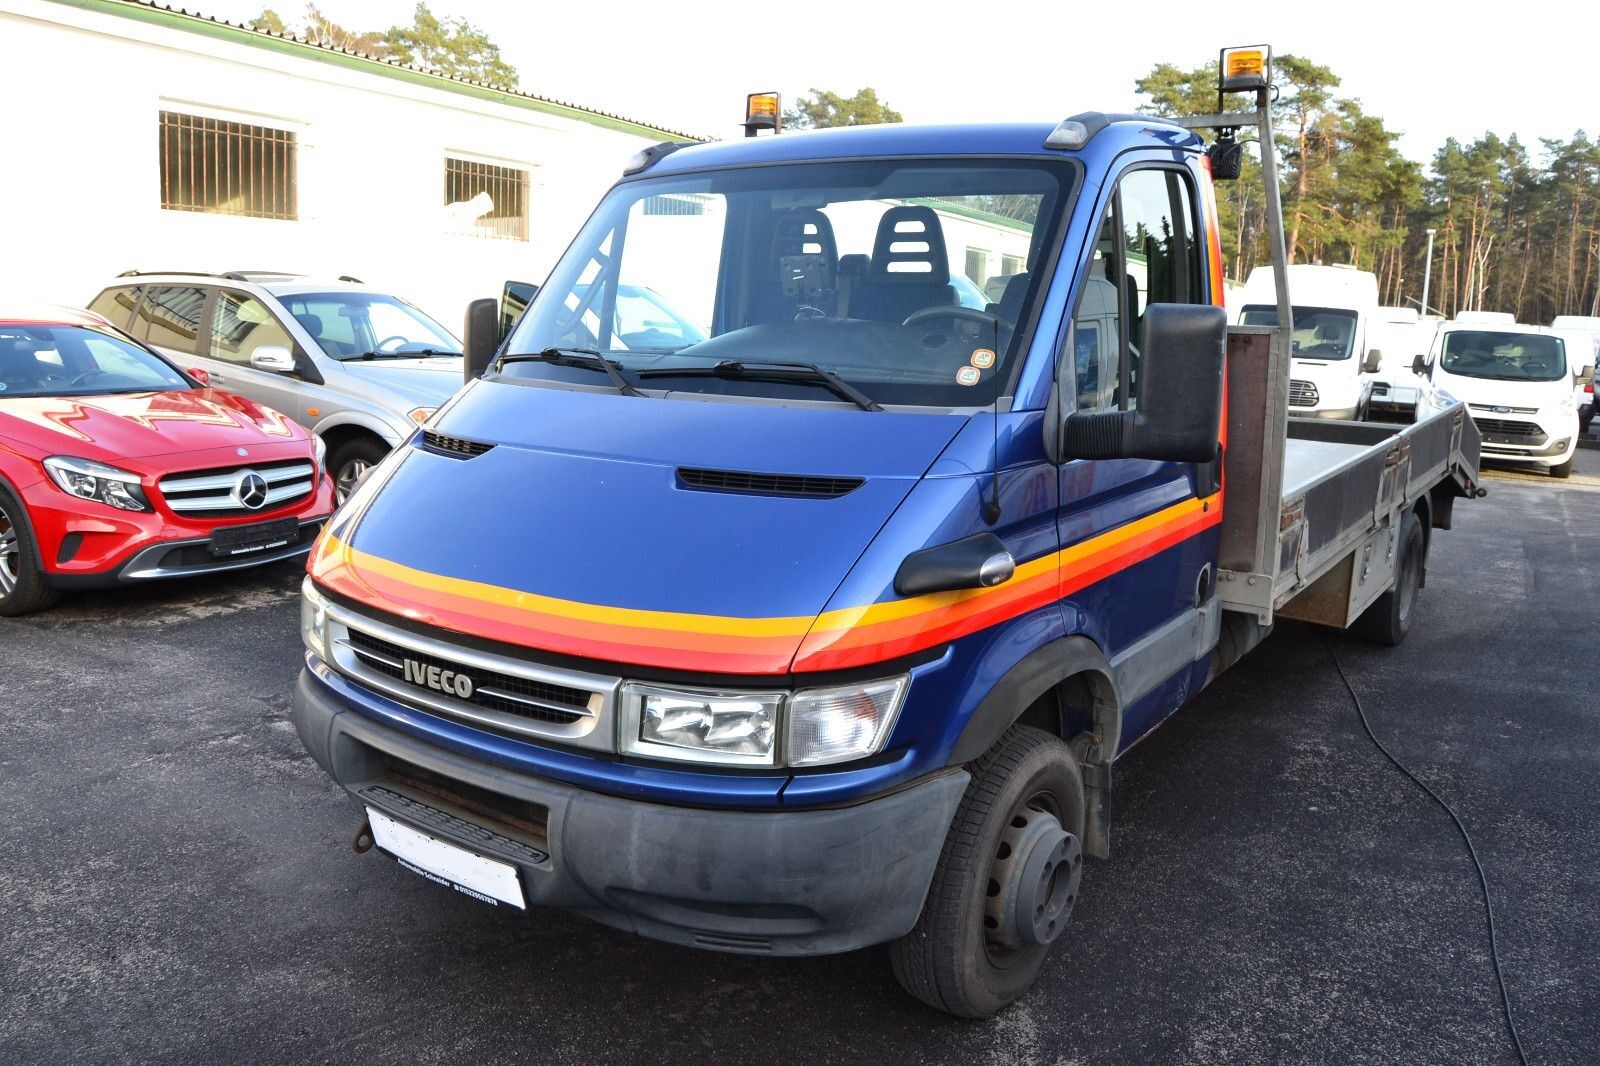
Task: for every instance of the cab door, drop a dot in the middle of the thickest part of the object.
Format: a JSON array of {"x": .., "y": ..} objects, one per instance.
[{"x": 1138, "y": 536}]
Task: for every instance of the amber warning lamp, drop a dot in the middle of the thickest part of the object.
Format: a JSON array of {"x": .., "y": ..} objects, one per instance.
[
  {"x": 1244, "y": 69},
  {"x": 762, "y": 112}
]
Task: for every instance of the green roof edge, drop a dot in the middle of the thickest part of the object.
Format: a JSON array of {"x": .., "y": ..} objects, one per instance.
[{"x": 227, "y": 31}]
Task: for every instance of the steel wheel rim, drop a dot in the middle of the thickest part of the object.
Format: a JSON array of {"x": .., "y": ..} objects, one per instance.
[
  {"x": 1000, "y": 955},
  {"x": 350, "y": 477},
  {"x": 10, "y": 556},
  {"x": 1412, "y": 579}
]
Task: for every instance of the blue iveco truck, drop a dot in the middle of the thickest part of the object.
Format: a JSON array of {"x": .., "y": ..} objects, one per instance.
[{"x": 791, "y": 574}]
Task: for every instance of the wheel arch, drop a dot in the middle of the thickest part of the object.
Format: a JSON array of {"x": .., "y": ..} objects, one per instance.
[{"x": 339, "y": 429}]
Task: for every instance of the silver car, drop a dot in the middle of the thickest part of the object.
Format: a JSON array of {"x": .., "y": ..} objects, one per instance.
[{"x": 359, "y": 367}]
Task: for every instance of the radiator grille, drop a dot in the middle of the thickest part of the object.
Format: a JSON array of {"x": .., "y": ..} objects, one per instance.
[
  {"x": 1303, "y": 394},
  {"x": 534, "y": 700},
  {"x": 1509, "y": 430},
  {"x": 226, "y": 493},
  {"x": 805, "y": 485}
]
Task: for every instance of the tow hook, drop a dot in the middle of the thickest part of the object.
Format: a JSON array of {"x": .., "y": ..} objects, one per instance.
[{"x": 363, "y": 841}]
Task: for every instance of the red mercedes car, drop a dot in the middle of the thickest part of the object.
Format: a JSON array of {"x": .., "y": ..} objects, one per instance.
[{"x": 117, "y": 467}]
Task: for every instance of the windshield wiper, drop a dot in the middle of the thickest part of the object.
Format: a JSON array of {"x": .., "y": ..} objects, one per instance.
[
  {"x": 575, "y": 357},
  {"x": 417, "y": 353},
  {"x": 773, "y": 370}
]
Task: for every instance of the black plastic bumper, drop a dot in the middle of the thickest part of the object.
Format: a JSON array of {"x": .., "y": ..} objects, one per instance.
[
  {"x": 797, "y": 882},
  {"x": 183, "y": 558}
]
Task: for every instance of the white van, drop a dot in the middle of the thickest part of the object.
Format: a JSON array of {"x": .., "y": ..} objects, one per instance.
[
  {"x": 1578, "y": 329},
  {"x": 1402, "y": 335},
  {"x": 1517, "y": 382},
  {"x": 1332, "y": 364}
]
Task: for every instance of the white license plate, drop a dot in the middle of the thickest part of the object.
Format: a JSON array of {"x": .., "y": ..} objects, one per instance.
[{"x": 468, "y": 873}]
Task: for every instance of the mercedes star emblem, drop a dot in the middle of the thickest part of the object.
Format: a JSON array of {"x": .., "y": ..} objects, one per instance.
[{"x": 250, "y": 490}]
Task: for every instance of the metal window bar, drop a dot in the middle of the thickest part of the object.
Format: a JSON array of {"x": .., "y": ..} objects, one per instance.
[
  {"x": 227, "y": 168},
  {"x": 504, "y": 216}
]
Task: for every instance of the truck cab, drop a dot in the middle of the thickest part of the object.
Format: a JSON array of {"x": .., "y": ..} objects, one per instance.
[
  {"x": 822, "y": 624},
  {"x": 1335, "y": 361}
]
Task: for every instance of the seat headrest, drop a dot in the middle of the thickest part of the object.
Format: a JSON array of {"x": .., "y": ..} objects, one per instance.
[
  {"x": 909, "y": 248},
  {"x": 311, "y": 323},
  {"x": 855, "y": 265},
  {"x": 804, "y": 231}
]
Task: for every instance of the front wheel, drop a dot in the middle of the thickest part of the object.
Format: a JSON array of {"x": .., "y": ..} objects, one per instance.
[
  {"x": 1563, "y": 470},
  {"x": 1006, "y": 881},
  {"x": 351, "y": 462},
  {"x": 22, "y": 587}
]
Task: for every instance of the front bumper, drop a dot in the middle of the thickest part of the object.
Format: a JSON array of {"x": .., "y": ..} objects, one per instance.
[
  {"x": 186, "y": 557},
  {"x": 792, "y": 882}
]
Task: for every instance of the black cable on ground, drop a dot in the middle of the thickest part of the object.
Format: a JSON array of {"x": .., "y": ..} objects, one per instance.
[{"x": 1483, "y": 880}]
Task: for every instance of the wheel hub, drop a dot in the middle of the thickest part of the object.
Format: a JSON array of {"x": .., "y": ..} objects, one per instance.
[{"x": 1033, "y": 881}]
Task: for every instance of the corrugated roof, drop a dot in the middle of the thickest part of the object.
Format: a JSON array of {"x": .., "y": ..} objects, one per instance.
[{"x": 289, "y": 43}]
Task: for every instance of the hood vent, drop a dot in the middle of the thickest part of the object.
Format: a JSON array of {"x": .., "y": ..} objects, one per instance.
[
  {"x": 799, "y": 485},
  {"x": 464, "y": 449}
]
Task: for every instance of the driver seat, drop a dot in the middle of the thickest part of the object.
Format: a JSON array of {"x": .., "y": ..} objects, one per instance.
[
  {"x": 910, "y": 268},
  {"x": 19, "y": 364}
]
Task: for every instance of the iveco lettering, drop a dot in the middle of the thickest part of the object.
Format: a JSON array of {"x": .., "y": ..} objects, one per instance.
[{"x": 815, "y": 614}]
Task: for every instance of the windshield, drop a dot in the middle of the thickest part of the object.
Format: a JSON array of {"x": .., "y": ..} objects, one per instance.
[
  {"x": 350, "y": 325},
  {"x": 1482, "y": 353},
  {"x": 909, "y": 280},
  {"x": 75, "y": 361},
  {"x": 1319, "y": 332}
]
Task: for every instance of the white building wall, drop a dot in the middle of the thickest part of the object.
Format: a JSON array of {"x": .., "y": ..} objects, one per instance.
[{"x": 80, "y": 191}]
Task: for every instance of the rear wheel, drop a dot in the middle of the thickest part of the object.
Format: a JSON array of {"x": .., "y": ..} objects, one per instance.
[
  {"x": 1388, "y": 620},
  {"x": 1563, "y": 470},
  {"x": 22, "y": 587},
  {"x": 351, "y": 462},
  {"x": 1006, "y": 882}
]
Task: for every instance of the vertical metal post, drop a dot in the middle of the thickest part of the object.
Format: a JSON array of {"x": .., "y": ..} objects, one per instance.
[
  {"x": 1269, "y": 175},
  {"x": 1427, "y": 274}
]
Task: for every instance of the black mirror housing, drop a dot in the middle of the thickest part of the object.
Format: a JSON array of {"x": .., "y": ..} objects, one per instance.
[
  {"x": 481, "y": 337},
  {"x": 514, "y": 299},
  {"x": 1179, "y": 417},
  {"x": 1373, "y": 362},
  {"x": 1419, "y": 365}
]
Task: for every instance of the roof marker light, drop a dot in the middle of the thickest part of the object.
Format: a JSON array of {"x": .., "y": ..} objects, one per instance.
[
  {"x": 762, "y": 111},
  {"x": 1070, "y": 136},
  {"x": 1244, "y": 68}
]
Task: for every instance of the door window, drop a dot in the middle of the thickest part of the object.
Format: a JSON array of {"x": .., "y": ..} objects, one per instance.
[
  {"x": 116, "y": 305},
  {"x": 1147, "y": 252},
  {"x": 241, "y": 324},
  {"x": 170, "y": 317}
]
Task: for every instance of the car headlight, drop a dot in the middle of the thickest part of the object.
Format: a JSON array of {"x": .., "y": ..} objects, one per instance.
[
  {"x": 829, "y": 725},
  {"x": 818, "y": 726},
  {"x": 420, "y": 415},
  {"x": 89, "y": 480},
  {"x": 314, "y": 620},
  {"x": 319, "y": 452},
  {"x": 737, "y": 728}
]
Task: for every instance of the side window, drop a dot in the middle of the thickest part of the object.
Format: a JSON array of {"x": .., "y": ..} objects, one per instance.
[
  {"x": 239, "y": 325},
  {"x": 331, "y": 324},
  {"x": 170, "y": 318},
  {"x": 116, "y": 306},
  {"x": 1147, "y": 252}
]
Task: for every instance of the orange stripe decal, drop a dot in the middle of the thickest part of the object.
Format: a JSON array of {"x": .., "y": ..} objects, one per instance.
[{"x": 837, "y": 639}]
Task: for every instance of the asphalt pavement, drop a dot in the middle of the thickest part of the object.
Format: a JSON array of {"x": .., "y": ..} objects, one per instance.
[{"x": 178, "y": 883}]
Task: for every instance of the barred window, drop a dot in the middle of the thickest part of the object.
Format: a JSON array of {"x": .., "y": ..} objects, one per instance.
[
  {"x": 227, "y": 168},
  {"x": 484, "y": 200},
  {"x": 676, "y": 204}
]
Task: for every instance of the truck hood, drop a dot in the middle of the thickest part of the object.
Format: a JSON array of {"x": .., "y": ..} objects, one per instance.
[
  {"x": 627, "y": 529},
  {"x": 138, "y": 425}
]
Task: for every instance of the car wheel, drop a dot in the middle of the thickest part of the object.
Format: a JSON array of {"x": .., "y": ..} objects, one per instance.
[
  {"x": 1389, "y": 618},
  {"x": 351, "y": 462},
  {"x": 1006, "y": 882},
  {"x": 1563, "y": 470},
  {"x": 22, "y": 587}
]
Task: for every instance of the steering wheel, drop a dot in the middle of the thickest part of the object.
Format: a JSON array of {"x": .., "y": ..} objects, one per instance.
[
  {"x": 954, "y": 312},
  {"x": 402, "y": 338},
  {"x": 89, "y": 375}
]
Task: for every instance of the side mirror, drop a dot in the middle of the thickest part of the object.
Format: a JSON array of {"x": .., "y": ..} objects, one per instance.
[
  {"x": 481, "y": 337},
  {"x": 1179, "y": 417},
  {"x": 514, "y": 299},
  {"x": 1373, "y": 362},
  {"x": 273, "y": 357},
  {"x": 199, "y": 375},
  {"x": 1586, "y": 378},
  {"x": 1419, "y": 366}
]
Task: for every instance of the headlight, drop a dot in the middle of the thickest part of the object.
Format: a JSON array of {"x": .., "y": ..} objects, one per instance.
[
  {"x": 821, "y": 725},
  {"x": 314, "y": 620},
  {"x": 419, "y": 415},
  {"x": 319, "y": 452},
  {"x": 734, "y": 728},
  {"x": 89, "y": 480},
  {"x": 829, "y": 725}
]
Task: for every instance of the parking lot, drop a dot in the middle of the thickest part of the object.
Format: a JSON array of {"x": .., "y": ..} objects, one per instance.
[{"x": 179, "y": 882}]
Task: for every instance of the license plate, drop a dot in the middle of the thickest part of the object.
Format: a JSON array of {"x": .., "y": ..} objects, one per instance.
[
  {"x": 248, "y": 540},
  {"x": 466, "y": 872}
]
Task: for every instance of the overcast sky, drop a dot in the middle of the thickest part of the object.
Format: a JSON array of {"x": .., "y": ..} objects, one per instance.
[{"x": 1430, "y": 70}]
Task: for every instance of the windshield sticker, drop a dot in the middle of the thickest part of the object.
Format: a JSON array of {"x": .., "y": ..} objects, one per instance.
[
  {"x": 2, "y": 386},
  {"x": 967, "y": 375},
  {"x": 983, "y": 358}
]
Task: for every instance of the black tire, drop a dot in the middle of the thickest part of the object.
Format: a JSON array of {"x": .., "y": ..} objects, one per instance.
[
  {"x": 1563, "y": 470},
  {"x": 351, "y": 461},
  {"x": 22, "y": 587},
  {"x": 950, "y": 959},
  {"x": 1389, "y": 618}
]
